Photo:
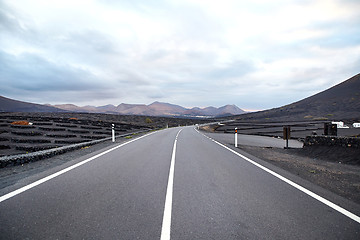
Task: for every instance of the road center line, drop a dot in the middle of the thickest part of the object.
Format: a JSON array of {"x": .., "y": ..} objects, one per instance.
[
  {"x": 38, "y": 182},
  {"x": 295, "y": 185},
  {"x": 166, "y": 223}
]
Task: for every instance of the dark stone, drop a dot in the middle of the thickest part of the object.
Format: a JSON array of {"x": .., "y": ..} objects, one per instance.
[{"x": 345, "y": 142}]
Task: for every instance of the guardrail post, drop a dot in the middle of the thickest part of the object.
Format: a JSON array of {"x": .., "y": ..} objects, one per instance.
[
  {"x": 113, "y": 132},
  {"x": 236, "y": 138}
]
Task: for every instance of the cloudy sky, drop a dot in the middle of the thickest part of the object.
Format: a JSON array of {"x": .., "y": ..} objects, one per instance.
[{"x": 256, "y": 54}]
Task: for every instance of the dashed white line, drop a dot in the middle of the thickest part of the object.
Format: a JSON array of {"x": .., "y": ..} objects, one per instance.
[
  {"x": 34, "y": 184},
  {"x": 166, "y": 223},
  {"x": 295, "y": 185}
]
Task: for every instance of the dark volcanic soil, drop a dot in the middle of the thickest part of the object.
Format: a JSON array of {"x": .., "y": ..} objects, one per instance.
[
  {"x": 51, "y": 130},
  {"x": 299, "y": 129},
  {"x": 342, "y": 179},
  {"x": 336, "y": 103}
]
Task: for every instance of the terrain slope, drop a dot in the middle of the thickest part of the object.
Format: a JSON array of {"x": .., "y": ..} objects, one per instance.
[{"x": 336, "y": 103}]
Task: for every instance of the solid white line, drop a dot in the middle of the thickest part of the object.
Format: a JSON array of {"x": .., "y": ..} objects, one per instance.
[
  {"x": 34, "y": 184},
  {"x": 166, "y": 223},
  {"x": 295, "y": 185}
]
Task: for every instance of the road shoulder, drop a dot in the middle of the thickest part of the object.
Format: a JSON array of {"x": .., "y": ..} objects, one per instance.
[
  {"x": 14, "y": 177},
  {"x": 339, "y": 184}
]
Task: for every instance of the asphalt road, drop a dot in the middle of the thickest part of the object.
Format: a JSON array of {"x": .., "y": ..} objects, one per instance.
[
  {"x": 254, "y": 140},
  {"x": 213, "y": 193}
]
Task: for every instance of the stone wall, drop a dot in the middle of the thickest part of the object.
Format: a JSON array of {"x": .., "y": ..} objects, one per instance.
[
  {"x": 346, "y": 142},
  {"x": 39, "y": 155}
]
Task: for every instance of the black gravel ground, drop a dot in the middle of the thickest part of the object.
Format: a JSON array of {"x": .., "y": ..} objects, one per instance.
[
  {"x": 52, "y": 130},
  {"x": 299, "y": 129},
  {"x": 326, "y": 167}
]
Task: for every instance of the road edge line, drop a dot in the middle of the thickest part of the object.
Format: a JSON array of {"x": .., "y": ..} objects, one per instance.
[
  {"x": 293, "y": 184},
  {"x": 45, "y": 179}
]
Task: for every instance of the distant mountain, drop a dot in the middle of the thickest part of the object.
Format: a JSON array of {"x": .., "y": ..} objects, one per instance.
[
  {"x": 10, "y": 105},
  {"x": 138, "y": 110},
  {"x": 229, "y": 110},
  {"x": 336, "y": 103},
  {"x": 153, "y": 109},
  {"x": 210, "y": 111},
  {"x": 167, "y": 108},
  {"x": 107, "y": 108},
  {"x": 226, "y": 110},
  {"x": 156, "y": 109},
  {"x": 68, "y": 107},
  {"x": 123, "y": 106},
  {"x": 340, "y": 102}
]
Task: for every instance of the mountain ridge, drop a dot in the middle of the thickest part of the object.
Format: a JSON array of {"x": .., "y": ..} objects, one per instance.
[
  {"x": 154, "y": 109},
  {"x": 341, "y": 101},
  {"x": 8, "y": 104},
  {"x": 159, "y": 109}
]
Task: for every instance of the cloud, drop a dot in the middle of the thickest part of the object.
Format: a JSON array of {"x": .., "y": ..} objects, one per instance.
[
  {"x": 33, "y": 73},
  {"x": 181, "y": 51},
  {"x": 7, "y": 21},
  {"x": 89, "y": 40},
  {"x": 236, "y": 69}
]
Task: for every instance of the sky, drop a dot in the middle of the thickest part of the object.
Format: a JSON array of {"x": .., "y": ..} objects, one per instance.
[{"x": 256, "y": 54}]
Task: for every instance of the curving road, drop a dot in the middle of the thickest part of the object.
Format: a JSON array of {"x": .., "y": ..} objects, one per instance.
[{"x": 172, "y": 184}]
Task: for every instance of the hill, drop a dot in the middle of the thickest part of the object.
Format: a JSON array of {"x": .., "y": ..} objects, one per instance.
[
  {"x": 336, "y": 103},
  {"x": 10, "y": 105},
  {"x": 154, "y": 109}
]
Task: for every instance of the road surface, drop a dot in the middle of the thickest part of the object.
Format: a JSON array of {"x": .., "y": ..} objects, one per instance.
[
  {"x": 256, "y": 141},
  {"x": 172, "y": 184}
]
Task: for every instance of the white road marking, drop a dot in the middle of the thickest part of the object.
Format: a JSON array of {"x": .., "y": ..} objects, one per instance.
[
  {"x": 34, "y": 184},
  {"x": 295, "y": 185},
  {"x": 166, "y": 223}
]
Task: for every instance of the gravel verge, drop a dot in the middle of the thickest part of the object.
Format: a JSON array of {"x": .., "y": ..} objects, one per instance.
[{"x": 339, "y": 178}]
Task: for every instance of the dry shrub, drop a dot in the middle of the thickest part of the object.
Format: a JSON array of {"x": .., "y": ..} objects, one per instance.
[
  {"x": 148, "y": 120},
  {"x": 20, "y": 123},
  {"x": 73, "y": 119}
]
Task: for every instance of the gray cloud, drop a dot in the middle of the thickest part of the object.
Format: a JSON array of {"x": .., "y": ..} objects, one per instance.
[
  {"x": 179, "y": 51},
  {"x": 15, "y": 25},
  {"x": 236, "y": 69},
  {"x": 7, "y": 21},
  {"x": 32, "y": 72},
  {"x": 133, "y": 78},
  {"x": 88, "y": 41}
]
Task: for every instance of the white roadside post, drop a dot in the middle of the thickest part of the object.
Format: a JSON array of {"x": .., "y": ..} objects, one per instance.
[
  {"x": 236, "y": 138},
  {"x": 113, "y": 132}
]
